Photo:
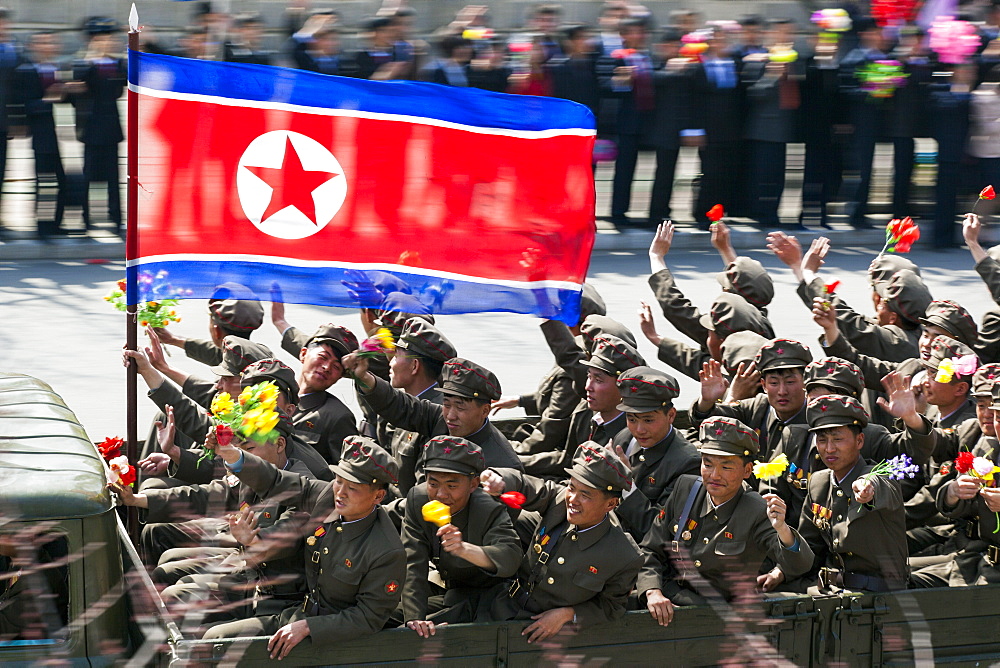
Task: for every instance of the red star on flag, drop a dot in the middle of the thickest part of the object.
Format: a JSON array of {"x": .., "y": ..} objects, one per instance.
[{"x": 291, "y": 184}]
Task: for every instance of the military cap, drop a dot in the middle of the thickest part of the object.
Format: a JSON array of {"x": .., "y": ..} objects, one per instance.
[
  {"x": 732, "y": 313},
  {"x": 275, "y": 371},
  {"x": 644, "y": 389},
  {"x": 100, "y": 25},
  {"x": 419, "y": 337},
  {"x": 741, "y": 347},
  {"x": 365, "y": 461},
  {"x": 986, "y": 377},
  {"x": 596, "y": 326},
  {"x": 946, "y": 348},
  {"x": 599, "y": 467},
  {"x": 995, "y": 393},
  {"x": 239, "y": 353},
  {"x": 591, "y": 303},
  {"x": 613, "y": 356},
  {"x": 747, "y": 278},
  {"x": 463, "y": 378},
  {"x": 235, "y": 307},
  {"x": 782, "y": 354},
  {"x": 340, "y": 339},
  {"x": 885, "y": 265},
  {"x": 453, "y": 455},
  {"x": 906, "y": 295},
  {"x": 727, "y": 436},
  {"x": 954, "y": 319},
  {"x": 835, "y": 410},
  {"x": 837, "y": 374},
  {"x": 284, "y": 426},
  {"x": 397, "y": 308}
]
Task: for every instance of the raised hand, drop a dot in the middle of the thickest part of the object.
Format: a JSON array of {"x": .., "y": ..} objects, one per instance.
[
  {"x": 166, "y": 431},
  {"x": 786, "y": 248},
  {"x": 722, "y": 241},
  {"x": 647, "y": 325},
  {"x": 745, "y": 383},
  {"x": 902, "y": 402},
  {"x": 816, "y": 255},
  {"x": 243, "y": 525},
  {"x": 492, "y": 482},
  {"x": 713, "y": 384},
  {"x": 825, "y": 316}
]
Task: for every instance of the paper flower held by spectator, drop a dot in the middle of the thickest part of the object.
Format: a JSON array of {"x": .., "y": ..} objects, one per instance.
[
  {"x": 900, "y": 235},
  {"x": 954, "y": 41},
  {"x": 771, "y": 470}
]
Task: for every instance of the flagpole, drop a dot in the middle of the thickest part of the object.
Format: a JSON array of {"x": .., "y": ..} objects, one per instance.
[{"x": 132, "y": 288}]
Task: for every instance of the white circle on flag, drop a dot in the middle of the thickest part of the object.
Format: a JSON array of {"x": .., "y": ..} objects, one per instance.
[{"x": 315, "y": 180}]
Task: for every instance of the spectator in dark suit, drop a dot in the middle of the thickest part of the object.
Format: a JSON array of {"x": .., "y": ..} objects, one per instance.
[
  {"x": 904, "y": 120},
  {"x": 817, "y": 114},
  {"x": 36, "y": 88},
  {"x": 99, "y": 80},
  {"x": 717, "y": 97},
  {"x": 866, "y": 116},
  {"x": 10, "y": 58},
  {"x": 628, "y": 75},
  {"x": 950, "y": 103},
  {"x": 671, "y": 119},
  {"x": 574, "y": 76},
  {"x": 316, "y": 47},
  {"x": 245, "y": 46},
  {"x": 752, "y": 29},
  {"x": 383, "y": 58},
  {"x": 452, "y": 68}
]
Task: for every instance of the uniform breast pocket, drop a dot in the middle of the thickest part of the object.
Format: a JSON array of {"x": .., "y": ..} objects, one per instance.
[
  {"x": 310, "y": 437},
  {"x": 589, "y": 581},
  {"x": 730, "y": 548}
]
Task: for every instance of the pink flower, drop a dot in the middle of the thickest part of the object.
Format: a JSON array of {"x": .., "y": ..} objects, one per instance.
[
  {"x": 966, "y": 365},
  {"x": 982, "y": 466}
]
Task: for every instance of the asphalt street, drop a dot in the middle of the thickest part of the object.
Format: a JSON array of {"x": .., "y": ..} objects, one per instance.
[{"x": 57, "y": 327}]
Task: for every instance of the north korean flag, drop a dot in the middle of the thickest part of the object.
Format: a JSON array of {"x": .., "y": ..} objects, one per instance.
[{"x": 470, "y": 200}]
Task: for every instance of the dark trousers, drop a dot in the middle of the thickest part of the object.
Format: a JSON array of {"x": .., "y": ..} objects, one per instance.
[
  {"x": 946, "y": 194},
  {"x": 902, "y": 173},
  {"x": 100, "y": 164},
  {"x": 862, "y": 155},
  {"x": 3, "y": 158},
  {"x": 50, "y": 201},
  {"x": 663, "y": 185},
  {"x": 767, "y": 180},
  {"x": 820, "y": 176},
  {"x": 621, "y": 194},
  {"x": 719, "y": 175}
]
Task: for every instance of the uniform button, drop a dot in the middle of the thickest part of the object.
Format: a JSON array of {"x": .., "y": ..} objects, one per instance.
[
  {"x": 850, "y": 554},
  {"x": 326, "y": 550},
  {"x": 836, "y": 541},
  {"x": 840, "y": 518},
  {"x": 263, "y": 565},
  {"x": 840, "y": 492},
  {"x": 551, "y": 580},
  {"x": 561, "y": 560},
  {"x": 321, "y": 571},
  {"x": 697, "y": 564},
  {"x": 340, "y": 529},
  {"x": 715, "y": 517},
  {"x": 642, "y": 458},
  {"x": 573, "y": 537},
  {"x": 706, "y": 541}
]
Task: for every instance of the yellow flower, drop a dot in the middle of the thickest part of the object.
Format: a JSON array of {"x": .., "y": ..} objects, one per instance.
[
  {"x": 772, "y": 469},
  {"x": 384, "y": 337},
  {"x": 946, "y": 371},
  {"x": 259, "y": 420},
  {"x": 222, "y": 404},
  {"x": 246, "y": 395},
  {"x": 268, "y": 395}
]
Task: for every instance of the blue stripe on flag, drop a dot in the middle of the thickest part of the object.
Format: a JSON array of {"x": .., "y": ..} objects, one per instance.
[
  {"x": 263, "y": 83},
  {"x": 325, "y": 286}
]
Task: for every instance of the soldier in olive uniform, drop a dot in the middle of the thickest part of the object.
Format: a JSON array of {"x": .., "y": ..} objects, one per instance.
[
  {"x": 598, "y": 417},
  {"x": 854, "y": 523},
  {"x": 581, "y": 565},
  {"x": 473, "y": 552},
  {"x": 354, "y": 559},
  {"x": 730, "y": 313},
  {"x": 656, "y": 453},
  {"x": 742, "y": 276},
  {"x": 718, "y": 524},
  {"x": 468, "y": 391},
  {"x": 571, "y": 350},
  {"x": 555, "y": 398},
  {"x": 780, "y": 363},
  {"x": 415, "y": 367},
  {"x": 976, "y": 500}
]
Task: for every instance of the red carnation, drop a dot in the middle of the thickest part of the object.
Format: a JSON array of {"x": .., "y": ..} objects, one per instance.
[
  {"x": 110, "y": 447},
  {"x": 716, "y": 213},
  {"x": 963, "y": 463},
  {"x": 127, "y": 477},
  {"x": 988, "y": 193},
  {"x": 830, "y": 288},
  {"x": 513, "y": 499},
  {"x": 223, "y": 434}
]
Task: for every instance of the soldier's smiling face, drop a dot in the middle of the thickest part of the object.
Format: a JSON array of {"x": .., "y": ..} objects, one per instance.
[
  {"x": 451, "y": 489},
  {"x": 927, "y": 336},
  {"x": 463, "y": 416},
  {"x": 602, "y": 391},
  {"x": 230, "y": 384},
  {"x": 587, "y": 506},
  {"x": 985, "y": 416},
  {"x": 321, "y": 368},
  {"x": 723, "y": 476}
]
